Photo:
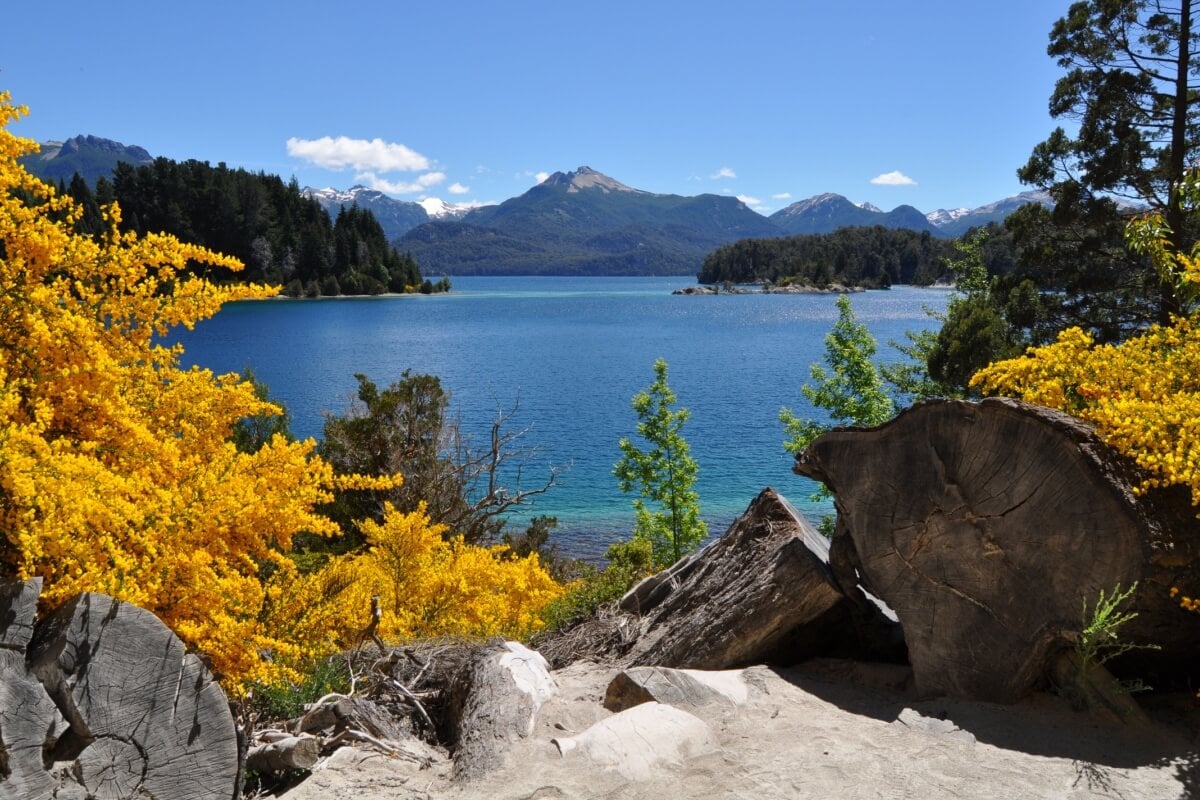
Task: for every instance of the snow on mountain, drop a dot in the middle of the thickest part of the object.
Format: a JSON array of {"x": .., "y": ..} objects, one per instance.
[
  {"x": 945, "y": 216},
  {"x": 437, "y": 208}
]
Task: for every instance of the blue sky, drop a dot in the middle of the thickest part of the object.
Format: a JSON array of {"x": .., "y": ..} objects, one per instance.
[{"x": 934, "y": 104}]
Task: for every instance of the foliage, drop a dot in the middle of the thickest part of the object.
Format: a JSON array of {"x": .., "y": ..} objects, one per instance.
[
  {"x": 664, "y": 474},
  {"x": 117, "y": 473},
  {"x": 1128, "y": 83},
  {"x": 278, "y": 233},
  {"x": 1142, "y": 396},
  {"x": 874, "y": 257},
  {"x": 406, "y": 428},
  {"x": 287, "y": 699},
  {"x": 536, "y": 539},
  {"x": 628, "y": 563},
  {"x": 851, "y": 390},
  {"x": 1098, "y": 640},
  {"x": 251, "y": 433},
  {"x": 427, "y": 584}
]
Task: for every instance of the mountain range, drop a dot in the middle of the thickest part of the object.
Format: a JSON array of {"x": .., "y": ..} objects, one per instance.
[
  {"x": 90, "y": 156},
  {"x": 579, "y": 222}
]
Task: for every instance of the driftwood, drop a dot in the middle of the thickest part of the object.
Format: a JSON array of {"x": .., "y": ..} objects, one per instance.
[
  {"x": 762, "y": 593},
  {"x": 494, "y": 702},
  {"x": 292, "y": 752},
  {"x": 986, "y": 526}
]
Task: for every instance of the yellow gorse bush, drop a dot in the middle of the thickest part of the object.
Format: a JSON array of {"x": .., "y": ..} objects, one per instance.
[
  {"x": 426, "y": 585},
  {"x": 1143, "y": 395},
  {"x": 116, "y": 473}
]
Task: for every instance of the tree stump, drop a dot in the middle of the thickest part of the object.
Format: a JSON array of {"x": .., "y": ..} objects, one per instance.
[
  {"x": 985, "y": 527},
  {"x": 146, "y": 718},
  {"x": 27, "y": 717}
]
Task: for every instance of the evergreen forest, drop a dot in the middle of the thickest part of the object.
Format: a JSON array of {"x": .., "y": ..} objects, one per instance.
[{"x": 281, "y": 236}]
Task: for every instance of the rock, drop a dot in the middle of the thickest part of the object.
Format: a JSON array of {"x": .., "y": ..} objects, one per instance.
[
  {"x": 681, "y": 688},
  {"x": 640, "y": 742},
  {"x": 495, "y": 702},
  {"x": 986, "y": 526},
  {"x": 914, "y": 720},
  {"x": 762, "y": 593},
  {"x": 146, "y": 718}
]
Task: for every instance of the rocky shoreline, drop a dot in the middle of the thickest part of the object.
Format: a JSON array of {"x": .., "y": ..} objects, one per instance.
[{"x": 714, "y": 289}]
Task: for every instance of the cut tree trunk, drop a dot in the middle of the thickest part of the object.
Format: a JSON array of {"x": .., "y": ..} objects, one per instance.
[
  {"x": 762, "y": 593},
  {"x": 986, "y": 527},
  {"x": 146, "y": 718},
  {"x": 27, "y": 717}
]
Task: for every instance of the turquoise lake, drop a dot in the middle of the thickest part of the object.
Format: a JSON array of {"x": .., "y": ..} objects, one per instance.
[{"x": 571, "y": 352}]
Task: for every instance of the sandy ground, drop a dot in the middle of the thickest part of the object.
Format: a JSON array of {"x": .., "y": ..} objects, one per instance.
[{"x": 825, "y": 732}]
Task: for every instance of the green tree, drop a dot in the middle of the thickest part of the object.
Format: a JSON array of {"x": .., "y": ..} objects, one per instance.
[
  {"x": 1131, "y": 84},
  {"x": 987, "y": 320},
  {"x": 664, "y": 474},
  {"x": 250, "y": 434},
  {"x": 850, "y": 387},
  {"x": 406, "y": 428}
]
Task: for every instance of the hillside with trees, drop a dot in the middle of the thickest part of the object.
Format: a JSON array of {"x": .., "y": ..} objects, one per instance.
[
  {"x": 281, "y": 236},
  {"x": 875, "y": 257}
]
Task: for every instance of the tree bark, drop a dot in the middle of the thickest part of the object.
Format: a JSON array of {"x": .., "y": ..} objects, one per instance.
[
  {"x": 986, "y": 527},
  {"x": 762, "y": 593},
  {"x": 143, "y": 715}
]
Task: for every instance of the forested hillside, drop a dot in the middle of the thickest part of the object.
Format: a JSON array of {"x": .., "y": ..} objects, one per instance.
[
  {"x": 873, "y": 257},
  {"x": 280, "y": 235}
]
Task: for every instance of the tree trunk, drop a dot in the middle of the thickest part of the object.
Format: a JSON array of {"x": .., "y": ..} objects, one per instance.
[
  {"x": 27, "y": 717},
  {"x": 144, "y": 716},
  {"x": 986, "y": 527},
  {"x": 763, "y": 592}
]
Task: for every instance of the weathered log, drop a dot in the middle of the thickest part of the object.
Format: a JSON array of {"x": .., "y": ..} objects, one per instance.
[
  {"x": 986, "y": 526},
  {"x": 762, "y": 593},
  {"x": 146, "y": 718},
  {"x": 292, "y": 752},
  {"x": 494, "y": 702}
]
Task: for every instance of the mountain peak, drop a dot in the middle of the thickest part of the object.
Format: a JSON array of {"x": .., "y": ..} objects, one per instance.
[{"x": 587, "y": 178}]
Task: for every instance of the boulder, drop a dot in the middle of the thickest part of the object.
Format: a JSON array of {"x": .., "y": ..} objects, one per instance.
[
  {"x": 681, "y": 688},
  {"x": 987, "y": 526},
  {"x": 640, "y": 742},
  {"x": 762, "y": 593}
]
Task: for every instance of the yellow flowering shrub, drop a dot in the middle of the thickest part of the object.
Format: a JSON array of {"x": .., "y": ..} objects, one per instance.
[
  {"x": 1143, "y": 395},
  {"x": 116, "y": 470},
  {"x": 427, "y": 585}
]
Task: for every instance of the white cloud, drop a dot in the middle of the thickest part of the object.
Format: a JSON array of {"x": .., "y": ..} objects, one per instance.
[
  {"x": 423, "y": 182},
  {"x": 541, "y": 176},
  {"x": 782, "y": 196},
  {"x": 359, "y": 154},
  {"x": 458, "y": 188},
  {"x": 723, "y": 172},
  {"x": 750, "y": 201},
  {"x": 894, "y": 178}
]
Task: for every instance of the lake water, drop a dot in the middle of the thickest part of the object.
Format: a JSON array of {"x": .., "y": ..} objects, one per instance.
[{"x": 572, "y": 351}]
